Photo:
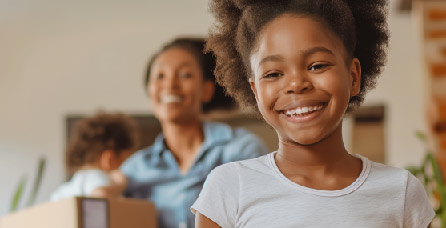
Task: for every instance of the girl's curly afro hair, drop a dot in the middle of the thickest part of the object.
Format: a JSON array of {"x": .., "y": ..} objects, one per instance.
[{"x": 360, "y": 24}]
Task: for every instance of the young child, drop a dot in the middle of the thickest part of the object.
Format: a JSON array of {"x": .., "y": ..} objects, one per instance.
[
  {"x": 305, "y": 64},
  {"x": 97, "y": 148}
]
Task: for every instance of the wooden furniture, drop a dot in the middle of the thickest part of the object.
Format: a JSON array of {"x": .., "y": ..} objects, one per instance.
[{"x": 431, "y": 18}]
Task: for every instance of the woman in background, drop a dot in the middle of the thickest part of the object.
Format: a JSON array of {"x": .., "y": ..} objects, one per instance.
[{"x": 171, "y": 172}]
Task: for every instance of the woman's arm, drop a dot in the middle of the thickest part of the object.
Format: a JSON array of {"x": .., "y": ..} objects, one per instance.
[{"x": 202, "y": 221}]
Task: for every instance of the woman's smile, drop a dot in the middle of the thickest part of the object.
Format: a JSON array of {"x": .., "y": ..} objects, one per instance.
[
  {"x": 171, "y": 98},
  {"x": 175, "y": 86}
]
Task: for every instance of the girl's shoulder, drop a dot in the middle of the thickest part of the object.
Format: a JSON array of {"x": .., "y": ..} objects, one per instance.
[
  {"x": 393, "y": 178},
  {"x": 397, "y": 183},
  {"x": 383, "y": 170},
  {"x": 258, "y": 164},
  {"x": 233, "y": 173}
]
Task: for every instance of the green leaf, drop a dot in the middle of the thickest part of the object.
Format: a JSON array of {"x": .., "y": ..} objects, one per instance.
[
  {"x": 426, "y": 179},
  {"x": 18, "y": 195},
  {"x": 438, "y": 211},
  {"x": 429, "y": 178},
  {"x": 421, "y": 136},
  {"x": 414, "y": 170},
  {"x": 443, "y": 219},
  {"x": 439, "y": 180},
  {"x": 37, "y": 181}
]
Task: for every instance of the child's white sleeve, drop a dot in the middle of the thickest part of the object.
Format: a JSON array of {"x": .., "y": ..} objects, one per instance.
[
  {"x": 95, "y": 179},
  {"x": 219, "y": 197},
  {"x": 418, "y": 212}
]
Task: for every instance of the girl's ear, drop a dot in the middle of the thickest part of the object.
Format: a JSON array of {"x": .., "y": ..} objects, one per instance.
[
  {"x": 355, "y": 77},
  {"x": 208, "y": 91},
  {"x": 253, "y": 87}
]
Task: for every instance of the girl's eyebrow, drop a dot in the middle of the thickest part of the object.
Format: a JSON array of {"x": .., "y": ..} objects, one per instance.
[
  {"x": 272, "y": 58},
  {"x": 313, "y": 50},
  {"x": 305, "y": 54}
]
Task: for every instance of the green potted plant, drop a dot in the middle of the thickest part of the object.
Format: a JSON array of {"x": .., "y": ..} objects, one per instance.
[
  {"x": 432, "y": 177},
  {"x": 18, "y": 194}
]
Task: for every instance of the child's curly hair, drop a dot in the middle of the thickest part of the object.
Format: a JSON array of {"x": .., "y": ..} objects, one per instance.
[
  {"x": 360, "y": 24},
  {"x": 91, "y": 136}
]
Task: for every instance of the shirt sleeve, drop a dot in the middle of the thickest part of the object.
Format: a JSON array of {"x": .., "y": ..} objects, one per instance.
[
  {"x": 137, "y": 187},
  {"x": 218, "y": 200},
  {"x": 128, "y": 166},
  {"x": 94, "y": 180},
  {"x": 418, "y": 212}
]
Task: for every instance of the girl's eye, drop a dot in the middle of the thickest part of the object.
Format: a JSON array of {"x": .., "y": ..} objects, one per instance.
[
  {"x": 316, "y": 67},
  {"x": 272, "y": 75}
]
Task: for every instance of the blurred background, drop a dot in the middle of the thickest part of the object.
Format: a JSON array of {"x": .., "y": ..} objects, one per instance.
[{"x": 64, "y": 58}]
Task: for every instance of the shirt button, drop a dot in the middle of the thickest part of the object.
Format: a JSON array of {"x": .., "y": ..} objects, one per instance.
[{"x": 182, "y": 225}]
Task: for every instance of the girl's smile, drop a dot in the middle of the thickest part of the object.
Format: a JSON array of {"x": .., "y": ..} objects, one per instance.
[
  {"x": 303, "y": 113},
  {"x": 303, "y": 78}
]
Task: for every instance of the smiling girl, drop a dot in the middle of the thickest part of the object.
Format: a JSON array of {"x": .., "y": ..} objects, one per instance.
[{"x": 305, "y": 64}]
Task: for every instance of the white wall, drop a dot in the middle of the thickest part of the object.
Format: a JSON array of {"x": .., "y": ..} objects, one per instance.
[{"x": 61, "y": 57}]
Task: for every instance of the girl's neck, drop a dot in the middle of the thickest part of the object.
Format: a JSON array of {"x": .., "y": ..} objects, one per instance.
[
  {"x": 326, "y": 153},
  {"x": 325, "y": 165}
]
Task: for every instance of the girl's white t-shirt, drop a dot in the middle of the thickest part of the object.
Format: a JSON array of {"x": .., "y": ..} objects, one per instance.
[{"x": 254, "y": 193}]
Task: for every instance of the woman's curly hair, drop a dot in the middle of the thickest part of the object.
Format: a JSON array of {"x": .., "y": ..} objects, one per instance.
[
  {"x": 360, "y": 24},
  {"x": 93, "y": 135}
]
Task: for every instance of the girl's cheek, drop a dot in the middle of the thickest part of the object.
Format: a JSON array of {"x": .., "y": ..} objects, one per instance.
[{"x": 269, "y": 92}]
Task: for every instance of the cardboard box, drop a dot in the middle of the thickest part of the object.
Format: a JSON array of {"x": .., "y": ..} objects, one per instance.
[{"x": 83, "y": 212}]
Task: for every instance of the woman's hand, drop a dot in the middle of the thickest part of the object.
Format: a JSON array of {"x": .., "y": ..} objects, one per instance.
[{"x": 118, "y": 178}]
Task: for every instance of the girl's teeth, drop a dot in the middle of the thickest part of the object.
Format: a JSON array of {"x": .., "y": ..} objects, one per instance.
[
  {"x": 299, "y": 111},
  {"x": 303, "y": 110}
]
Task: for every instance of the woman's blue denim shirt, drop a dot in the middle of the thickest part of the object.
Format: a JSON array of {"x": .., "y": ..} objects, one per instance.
[{"x": 153, "y": 173}]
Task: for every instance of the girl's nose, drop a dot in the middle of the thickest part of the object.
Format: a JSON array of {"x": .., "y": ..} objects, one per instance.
[{"x": 297, "y": 84}]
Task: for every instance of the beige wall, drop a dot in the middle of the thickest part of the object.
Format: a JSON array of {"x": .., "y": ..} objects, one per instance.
[
  {"x": 401, "y": 89},
  {"x": 61, "y": 57},
  {"x": 64, "y": 57}
]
